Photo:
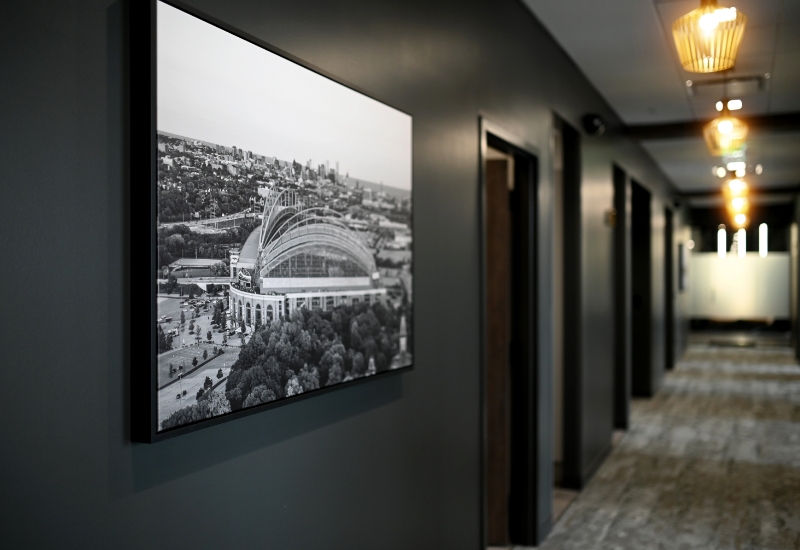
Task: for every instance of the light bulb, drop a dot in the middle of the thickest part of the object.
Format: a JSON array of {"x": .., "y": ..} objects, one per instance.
[
  {"x": 719, "y": 105},
  {"x": 721, "y": 172},
  {"x": 733, "y": 166},
  {"x": 737, "y": 186},
  {"x": 725, "y": 14},
  {"x": 759, "y": 169},
  {"x": 740, "y": 219},
  {"x": 738, "y": 203},
  {"x": 734, "y": 105},
  {"x": 725, "y": 126},
  {"x": 708, "y": 22},
  {"x": 741, "y": 172}
]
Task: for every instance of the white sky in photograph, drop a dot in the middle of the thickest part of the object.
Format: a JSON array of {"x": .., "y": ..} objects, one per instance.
[{"x": 216, "y": 87}]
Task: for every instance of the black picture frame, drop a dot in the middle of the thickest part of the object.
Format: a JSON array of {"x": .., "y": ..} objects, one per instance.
[{"x": 141, "y": 54}]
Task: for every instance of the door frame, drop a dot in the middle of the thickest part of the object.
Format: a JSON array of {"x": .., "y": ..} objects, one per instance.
[{"x": 531, "y": 452}]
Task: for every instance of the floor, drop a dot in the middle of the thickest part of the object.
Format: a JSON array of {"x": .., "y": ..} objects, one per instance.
[{"x": 711, "y": 462}]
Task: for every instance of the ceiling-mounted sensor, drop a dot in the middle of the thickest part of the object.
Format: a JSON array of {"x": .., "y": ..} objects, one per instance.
[{"x": 593, "y": 124}]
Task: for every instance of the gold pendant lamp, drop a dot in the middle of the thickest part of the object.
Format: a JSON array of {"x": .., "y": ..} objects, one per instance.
[
  {"x": 708, "y": 38},
  {"x": 725, "y": 135}
]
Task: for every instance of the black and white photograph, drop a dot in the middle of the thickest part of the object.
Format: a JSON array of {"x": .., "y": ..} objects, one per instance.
[{"x": 284, "y": 227}]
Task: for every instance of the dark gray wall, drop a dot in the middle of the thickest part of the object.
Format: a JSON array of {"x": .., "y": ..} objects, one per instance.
[{"x": 393, "y": 462}]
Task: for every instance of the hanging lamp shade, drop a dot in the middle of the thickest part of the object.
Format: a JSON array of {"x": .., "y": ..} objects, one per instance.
[
  {"x": 725, "y": 135},
  {"x": 708, "y": 37}
]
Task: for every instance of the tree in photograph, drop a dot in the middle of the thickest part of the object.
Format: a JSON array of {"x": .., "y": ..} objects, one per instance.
[
  {"x": 359, "y": 365},
  {"x": 191, "y": 292},
  {"x": 308, "y": 378},
  {"x": 200, "y": 393},
  {"x": 219, "y": 373},
  {"x": 194, "y": 361},
  {"x": 191, "y": 325},
  {"x": 184, "y": 392},
  {"x": 260, "y": 394},
  {"x": 216, "y": 351},
  {"x": 224, "y": 338},
  {"x": 208, "y": 336},
  {"x": 208, "y": 383},
  {"x": 293, "y": 387},
  {"x": 183, "y": 317},
  {"x": 210, "y": 405},
  {"x": 164, "y": 343},
  {"x": 219, "y": 269},
  {"x": 205, "y": 354},
  {"x": 332, "y": 364}
]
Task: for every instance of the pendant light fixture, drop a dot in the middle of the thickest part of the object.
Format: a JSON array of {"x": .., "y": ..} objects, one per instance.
[
  {"x": 708, "y": 38},
  {"x": 725, "y": 135}
]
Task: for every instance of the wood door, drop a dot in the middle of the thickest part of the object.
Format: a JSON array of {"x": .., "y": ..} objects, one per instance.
[{"x": 498, "y": 289}]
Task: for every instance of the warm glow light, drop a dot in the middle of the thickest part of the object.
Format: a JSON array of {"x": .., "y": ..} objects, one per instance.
[
  {"x": 742, "y": 243},
  {"x": 690, "y": 244},
  {"x": 734, "y": 105},
  {"x": 740, "y": 173},
  {"x": 739, "y": 204},
  {"x": 719, "y": 105},
  {"x": 734, "y": 166},
  {"x": 737, "y": 186},
  {"x": 759, "y": 169},
  {"x": 725, "y": 135},
  {"x": 762, "y": 240},
  {"x": 722, "y": 239},
  {"x": 740, "y": 219},
  {"x": 721, "y": 172},
  {"x": 708, "y": 38}
]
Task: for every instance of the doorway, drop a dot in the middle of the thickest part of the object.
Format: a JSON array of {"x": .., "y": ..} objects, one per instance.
[
  {"x": 641, "y": 292},
  {"x": 669, "y": 290},
  {"x": 622, "y": 299},
  {"x": 567, "y": 333},
  {"x": 512, "y": 473}
]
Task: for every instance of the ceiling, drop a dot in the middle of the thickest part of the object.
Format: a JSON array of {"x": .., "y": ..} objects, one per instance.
[{"x": 626, "y": 50}]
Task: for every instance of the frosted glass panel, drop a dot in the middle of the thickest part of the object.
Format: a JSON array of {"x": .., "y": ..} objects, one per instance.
[{"x": 733, "y": 288}]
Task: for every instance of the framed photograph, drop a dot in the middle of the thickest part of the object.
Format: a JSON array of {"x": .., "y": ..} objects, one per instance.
[{"x": 281, "y": 235}]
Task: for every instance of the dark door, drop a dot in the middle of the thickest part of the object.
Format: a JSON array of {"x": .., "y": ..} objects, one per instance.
[
  {"x": 669, "y": 290},
  {"x": 498, "y": 343},
  {"x": 622, "y": 299},
  {"x": 641, "y": 292}
]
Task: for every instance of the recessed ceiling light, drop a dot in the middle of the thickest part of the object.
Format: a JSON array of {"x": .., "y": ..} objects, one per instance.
[
  {"x": 719, "y": 105},
  {"x": 759, "y": 169},
  {"x": 689, "y": 82},
  {"x": 690, "y": 244},
  {"x": 734, "y": 104},
  {"x": 736, "y": 165},
  {"x": 720, "y": 171}
]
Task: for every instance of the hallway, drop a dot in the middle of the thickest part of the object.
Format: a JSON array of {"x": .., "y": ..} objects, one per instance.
[{"x": 711, "y": 462}]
